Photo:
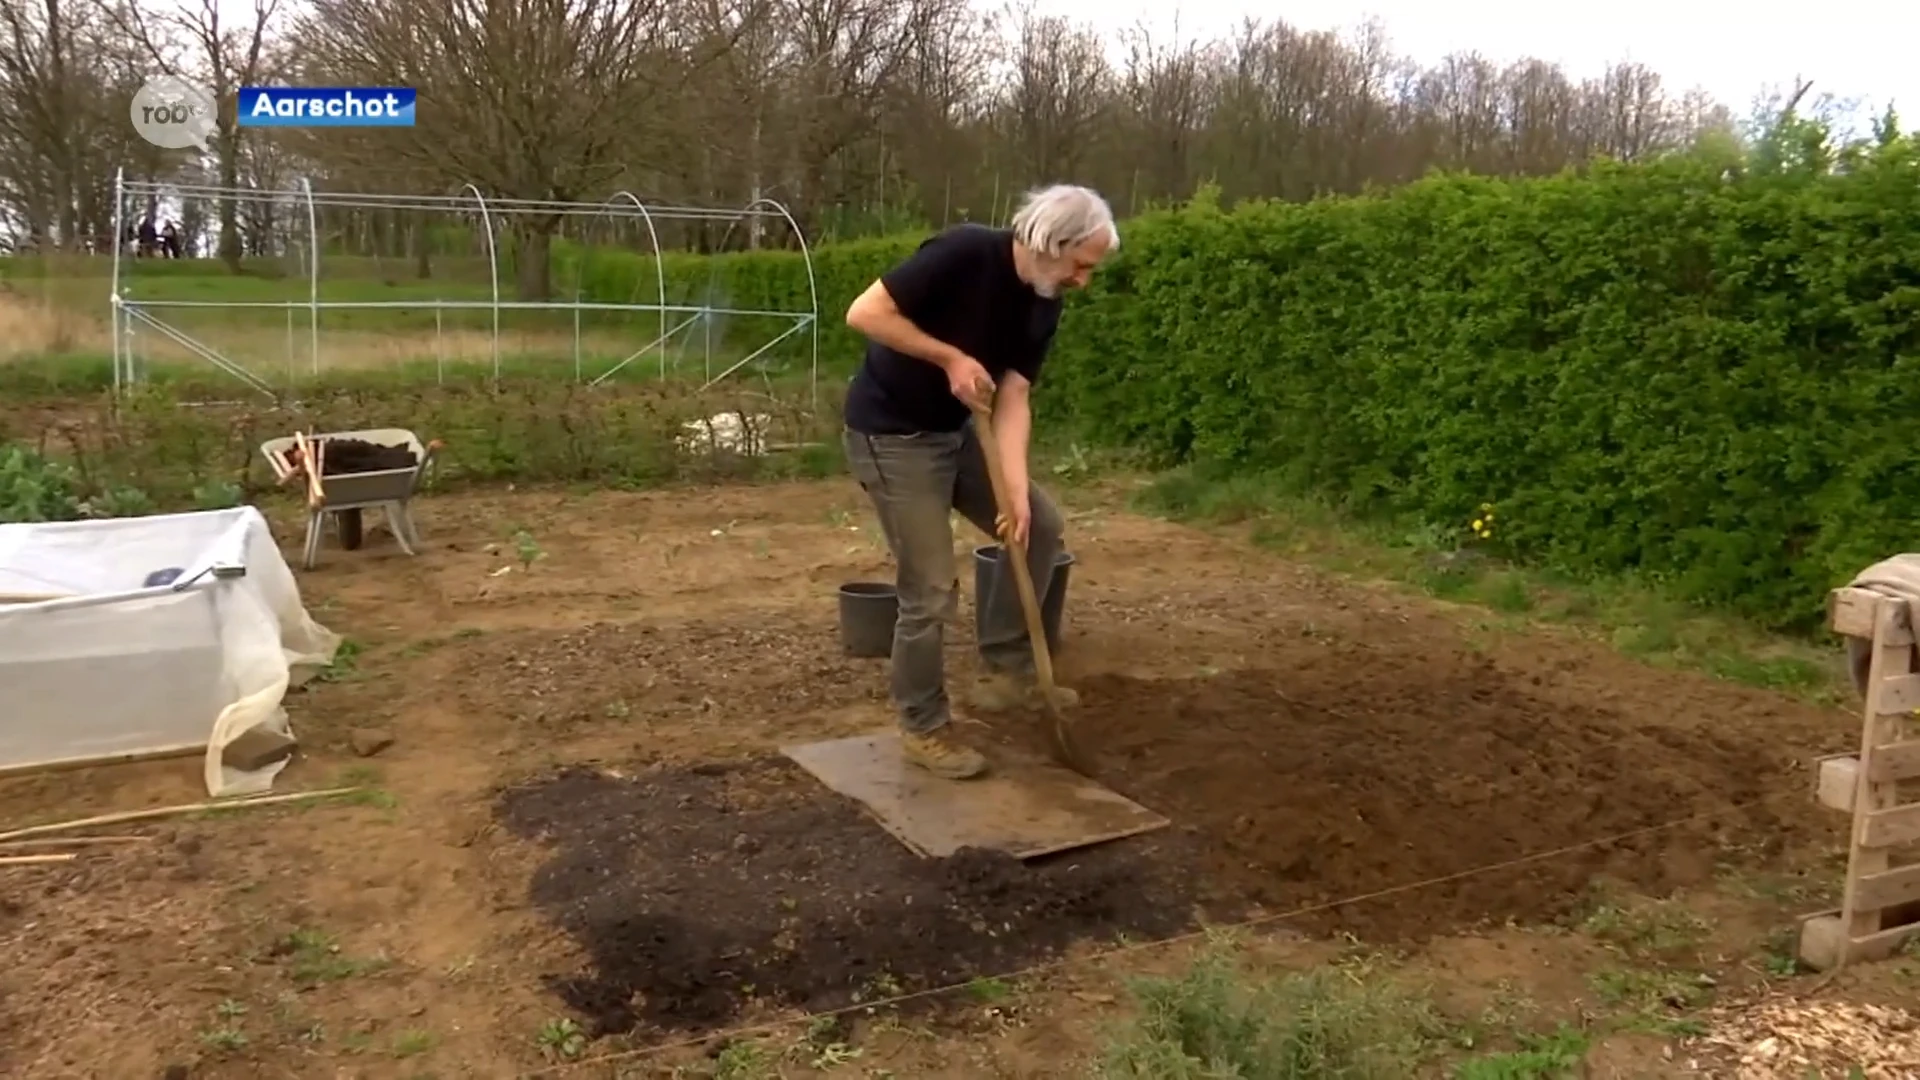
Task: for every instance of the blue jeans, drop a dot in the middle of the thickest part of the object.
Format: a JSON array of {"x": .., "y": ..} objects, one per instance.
[{"x": 916, "y": 482}]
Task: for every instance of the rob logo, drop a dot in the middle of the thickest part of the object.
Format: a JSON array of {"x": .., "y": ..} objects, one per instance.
[{"x": 174, "y": 114}]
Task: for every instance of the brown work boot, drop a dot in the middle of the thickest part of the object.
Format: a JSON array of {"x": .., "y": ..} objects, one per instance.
[
  {"x": 937, "y": 753},
  {"x": 998, "y": 691}
]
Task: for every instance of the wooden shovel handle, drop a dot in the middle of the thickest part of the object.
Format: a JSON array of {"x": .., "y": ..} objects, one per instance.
[
  {"x": 1066, "y": 749},
  {"x": 1016, "y": 552}
]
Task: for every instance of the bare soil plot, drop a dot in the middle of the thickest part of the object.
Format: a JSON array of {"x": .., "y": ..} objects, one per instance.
[{"x": 581, "y": 826}]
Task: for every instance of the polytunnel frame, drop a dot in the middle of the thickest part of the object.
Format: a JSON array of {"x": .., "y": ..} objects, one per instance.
[{"x": 126, "y": 312}]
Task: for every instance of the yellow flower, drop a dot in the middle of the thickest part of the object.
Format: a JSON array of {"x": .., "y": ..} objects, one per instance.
[{"x": 1478, "y": 525}]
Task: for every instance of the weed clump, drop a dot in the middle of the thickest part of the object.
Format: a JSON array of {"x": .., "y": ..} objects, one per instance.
[{"x": 1220, "y": 1020}]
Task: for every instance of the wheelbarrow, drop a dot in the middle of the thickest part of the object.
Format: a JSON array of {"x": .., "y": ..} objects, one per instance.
[{"x": 345, "y": 496}]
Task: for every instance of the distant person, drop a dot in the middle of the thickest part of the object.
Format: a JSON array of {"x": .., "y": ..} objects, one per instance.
[
  {"x": 149, "y": 238},
  {"x": 170, "y": 241},
  {"x": 974, "y": 309}
]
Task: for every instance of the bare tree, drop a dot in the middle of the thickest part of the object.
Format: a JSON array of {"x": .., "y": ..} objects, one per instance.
[
  {"x": 192, "y": 41},
  {"x": 1057, "y": 95},
  {"x": 1168, "y": 92},
  {"x": 540, "y": 100},
  {"x": 939, "y": 107},
  {"x": 857, "y": 114},
  {"x": 37, "y": 62},
  {"x": 1628, "y": 117}
]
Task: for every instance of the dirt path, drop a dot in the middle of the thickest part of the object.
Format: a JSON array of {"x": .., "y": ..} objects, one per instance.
[{"x": 581, "y": 827}]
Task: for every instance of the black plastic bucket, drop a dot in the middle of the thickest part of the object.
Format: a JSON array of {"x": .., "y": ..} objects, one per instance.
[
  {"x": 868, "y": 610},
  {"x": 991, "y": 574}
]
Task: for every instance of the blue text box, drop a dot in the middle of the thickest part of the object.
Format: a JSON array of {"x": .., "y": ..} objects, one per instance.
[{"x": 326, "y": 106}]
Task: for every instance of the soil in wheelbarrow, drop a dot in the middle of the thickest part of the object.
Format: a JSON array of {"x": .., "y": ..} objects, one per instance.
[
  {"x": 697, "y": 893},
  {"x": 345, "y": 456}
]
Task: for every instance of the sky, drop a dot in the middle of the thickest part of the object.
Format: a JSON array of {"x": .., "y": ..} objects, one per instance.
[{"x": 1733, "y": 50}]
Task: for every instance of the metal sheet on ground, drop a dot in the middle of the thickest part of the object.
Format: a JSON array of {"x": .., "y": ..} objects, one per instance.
[{"x": 1024, "y": 807}]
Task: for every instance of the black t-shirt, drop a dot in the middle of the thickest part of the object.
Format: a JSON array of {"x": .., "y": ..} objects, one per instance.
[{"x": 961, "y": 288}]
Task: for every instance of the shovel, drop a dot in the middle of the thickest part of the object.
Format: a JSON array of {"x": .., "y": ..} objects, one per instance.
[{"x": 1059, "y": 732}]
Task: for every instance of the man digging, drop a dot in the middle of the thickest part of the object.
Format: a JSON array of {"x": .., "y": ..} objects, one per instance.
[{"x": 967, "y": 319}]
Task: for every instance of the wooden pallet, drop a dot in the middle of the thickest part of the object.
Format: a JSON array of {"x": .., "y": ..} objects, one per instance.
[{"x": 1876, "y": 917}]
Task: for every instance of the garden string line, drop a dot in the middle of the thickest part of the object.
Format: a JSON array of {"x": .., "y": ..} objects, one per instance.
[{"x": 1090, "y": 959}]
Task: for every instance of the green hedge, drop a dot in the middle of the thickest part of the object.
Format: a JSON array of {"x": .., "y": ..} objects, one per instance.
[{"x": 1661, "y": 370}]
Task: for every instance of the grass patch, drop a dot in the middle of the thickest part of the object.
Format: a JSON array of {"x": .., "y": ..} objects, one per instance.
[
  {"x": 989, "y": 990},
  {"x": 745, "y": 1060},
  {"x": 1657, "y": 977},
  {"x": 413, "y": 1042},
  {"x": 1814, "y": 886},
  {"x": 228, "y": 1035},
  {"x": 1352, "y": 1020},
  {"x": 1650, "y": 999},
  {"x": 313, "y": 957},
  {"x": 1451, "y": 564},
  {"x": 1647, "y": 929},
  {"x": 224, "y": 1040},
  {"x": 369, "y": 780},
  {"x": 1505, "y": 591},
  {"x": 345, "y": 665},
  {"x": 1554, "y": 1056},
  {"x": 1219, "y": 1020},
  {"x": 1779, "y": 954}
]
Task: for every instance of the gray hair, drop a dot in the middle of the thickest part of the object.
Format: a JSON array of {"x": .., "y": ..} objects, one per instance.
[{"x": 1052, "y": 219}]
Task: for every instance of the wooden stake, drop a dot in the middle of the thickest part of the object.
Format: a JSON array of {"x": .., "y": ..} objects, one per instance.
[
  {"x": 34, "y": 860},
  {"x": 311, "y": 464},
  {"x": 319, "y": 471},
  {"x": 170, "y": 811},
  {"x": 75, "y": 841}
]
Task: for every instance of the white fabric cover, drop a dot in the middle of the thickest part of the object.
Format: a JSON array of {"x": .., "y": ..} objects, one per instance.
[
  {"x": 107, "y": 668},
  {"x": 1897, "y": 577}
]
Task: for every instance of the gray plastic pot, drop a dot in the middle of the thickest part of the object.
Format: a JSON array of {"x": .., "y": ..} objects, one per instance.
[
  {"x": 991, "y": 574},
  {"x": 868, "y": 610}
]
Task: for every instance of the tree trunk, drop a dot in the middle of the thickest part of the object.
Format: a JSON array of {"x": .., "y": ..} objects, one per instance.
[
  {"x": 62, "y": 150},
  {"x": 422, "y": 238},
  {"x": 532, "y": 257},
  {"x": 227, "y": 149}
]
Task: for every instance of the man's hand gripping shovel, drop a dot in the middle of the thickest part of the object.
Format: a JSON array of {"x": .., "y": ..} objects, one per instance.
[{"x": 1060, "y": 732}]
